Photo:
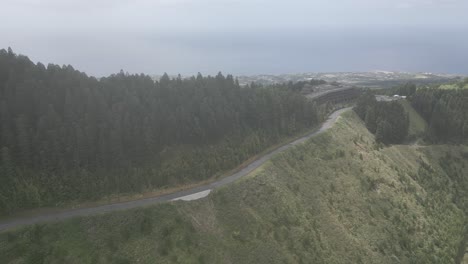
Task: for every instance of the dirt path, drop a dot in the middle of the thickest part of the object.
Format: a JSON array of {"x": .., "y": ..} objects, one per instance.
[{"x": 185, "y": 195}]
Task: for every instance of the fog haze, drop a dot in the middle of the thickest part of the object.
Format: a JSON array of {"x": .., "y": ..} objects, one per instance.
[{"x": 240, "y": 36}]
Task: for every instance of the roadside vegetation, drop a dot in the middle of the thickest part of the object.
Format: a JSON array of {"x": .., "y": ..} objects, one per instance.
[
  {"x": 335, "y": 199},
  {"x": 67, "y": 137}
]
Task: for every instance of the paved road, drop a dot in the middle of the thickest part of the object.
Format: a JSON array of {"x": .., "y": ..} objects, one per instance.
[{"x": 186, "y": 195}]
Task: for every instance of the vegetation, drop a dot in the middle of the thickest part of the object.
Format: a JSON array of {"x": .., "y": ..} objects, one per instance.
[
  {"x": 446, "y": 112},
  {"x": 334, "y": 199},
  {"x": 407, "y": 89},
  {"x": 461, "y": 84},
  {"x": 417, "y": 125},
  {"x": 67, "y": 137},
  {"x": 387, "y": 120},
  {"x": 300, "y": 85}
]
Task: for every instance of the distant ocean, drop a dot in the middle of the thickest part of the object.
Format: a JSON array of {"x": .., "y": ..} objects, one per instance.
[{"x": 440, "y": 50}]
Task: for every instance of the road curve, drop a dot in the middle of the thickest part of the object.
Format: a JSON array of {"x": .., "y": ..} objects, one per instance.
[{"x": 185, "y": 195}]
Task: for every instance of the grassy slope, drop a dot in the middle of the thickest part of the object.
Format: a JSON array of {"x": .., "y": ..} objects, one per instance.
[
  {"x": 417, "y": 124},
  {"x": 452, "y": 86},
  {"x": 335, "y": 199}
]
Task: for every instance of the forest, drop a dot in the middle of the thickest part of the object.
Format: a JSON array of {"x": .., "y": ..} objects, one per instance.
[
  {"x": 387, "y": 120},
  {"x": 446, "y": 111},
  {"x": 67, "y": 137}
]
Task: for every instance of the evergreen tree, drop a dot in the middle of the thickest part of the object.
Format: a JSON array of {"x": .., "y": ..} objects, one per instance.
[
  {"x": 387, "y": 120},
  {"x": 74, "y": 137},
  {"x": 446, "y": 111}
]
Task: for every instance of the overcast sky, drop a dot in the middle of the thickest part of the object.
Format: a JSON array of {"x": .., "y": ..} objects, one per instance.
[{"x": 101, "y": 37}]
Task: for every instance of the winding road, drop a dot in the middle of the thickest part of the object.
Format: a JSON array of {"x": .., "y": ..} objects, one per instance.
[{"x": 185, "y": 195}]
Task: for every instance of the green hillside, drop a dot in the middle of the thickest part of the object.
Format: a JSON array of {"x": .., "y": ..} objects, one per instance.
[
  {"x": 417, "y": 124},
  {"x": 461, "y": 84},
  {"x": 68, "y": 139},
  {"x": 335, "y": 199},
  {"x": 453, "y": 86}
]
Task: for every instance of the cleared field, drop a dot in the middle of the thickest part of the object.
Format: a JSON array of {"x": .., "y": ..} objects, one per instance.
[{"x": 417, "y": 124}]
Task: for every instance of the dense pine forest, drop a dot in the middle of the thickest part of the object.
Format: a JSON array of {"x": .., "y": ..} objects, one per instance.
[
  {"x": 446, "y": 111},
  {"x": 387, "y": 120},
  {"x": 66, "y": 136}
]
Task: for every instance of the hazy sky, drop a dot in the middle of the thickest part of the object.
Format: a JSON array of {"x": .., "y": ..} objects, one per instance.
[{"x": 239, "y": 36}]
